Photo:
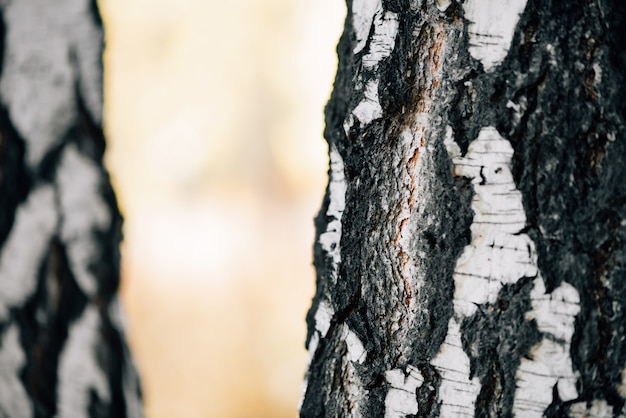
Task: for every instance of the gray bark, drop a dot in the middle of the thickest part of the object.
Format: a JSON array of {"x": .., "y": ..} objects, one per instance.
[
  {"x": 424, "y": 117},
  {"x": 62, "y": 346}
]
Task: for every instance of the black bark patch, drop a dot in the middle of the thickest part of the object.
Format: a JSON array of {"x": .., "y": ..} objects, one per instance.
[
  {"x": 495, "y": 339},
  {"x": 15, "y": 181},
  {"x": 111, "y": 356},
  {"x": 568, "y": 164},
  {"x": 94, "y": 12},
  {"x": 44, "y": 322},
  {"x": 427, "y": 393}
]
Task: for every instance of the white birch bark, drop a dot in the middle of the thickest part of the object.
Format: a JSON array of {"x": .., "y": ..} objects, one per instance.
[
  {"x": 476, "y": 268},
  {"x": 62, "y": 348}
]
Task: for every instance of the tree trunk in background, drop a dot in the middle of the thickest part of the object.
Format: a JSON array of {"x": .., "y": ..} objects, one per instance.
[
  {"x": 62, "y": 347},
  {"x": 470, "y": 252}
]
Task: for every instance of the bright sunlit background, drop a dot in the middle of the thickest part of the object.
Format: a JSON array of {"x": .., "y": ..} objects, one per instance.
[{"x": 213, "y": 113}]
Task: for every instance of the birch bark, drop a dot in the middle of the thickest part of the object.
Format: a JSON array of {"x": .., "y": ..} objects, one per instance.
[
  {"x": 471, "y": 251},
  {"x": 62, "y": 346}
]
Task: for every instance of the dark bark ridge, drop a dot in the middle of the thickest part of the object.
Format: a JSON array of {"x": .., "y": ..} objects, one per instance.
[
  {"x": 62, "y": 343},
  {"x": 386, "y": 292}
]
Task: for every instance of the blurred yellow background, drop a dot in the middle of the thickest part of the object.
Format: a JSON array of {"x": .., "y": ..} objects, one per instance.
[{"x": 213, "y": 113}]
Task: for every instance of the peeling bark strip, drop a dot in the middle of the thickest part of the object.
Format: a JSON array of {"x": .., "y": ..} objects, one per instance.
[
  {"x": 62, "y": 348},
  {"x": 476, "y": 267}
]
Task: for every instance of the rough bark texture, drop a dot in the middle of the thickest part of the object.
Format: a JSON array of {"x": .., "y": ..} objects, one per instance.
[
  {"x": 62, "y": 347},
  {"x": 470, "y": 253}
]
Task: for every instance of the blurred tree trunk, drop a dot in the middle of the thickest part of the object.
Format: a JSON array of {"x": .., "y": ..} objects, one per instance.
[
  {"x": 470, "y": 252},
  {"x": 62, "y": 346}
]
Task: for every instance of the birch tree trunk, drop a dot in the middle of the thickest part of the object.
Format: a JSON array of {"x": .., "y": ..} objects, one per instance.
[
  {"x": 62, "y": 347},
  {"x": 470, "y": 251}
]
